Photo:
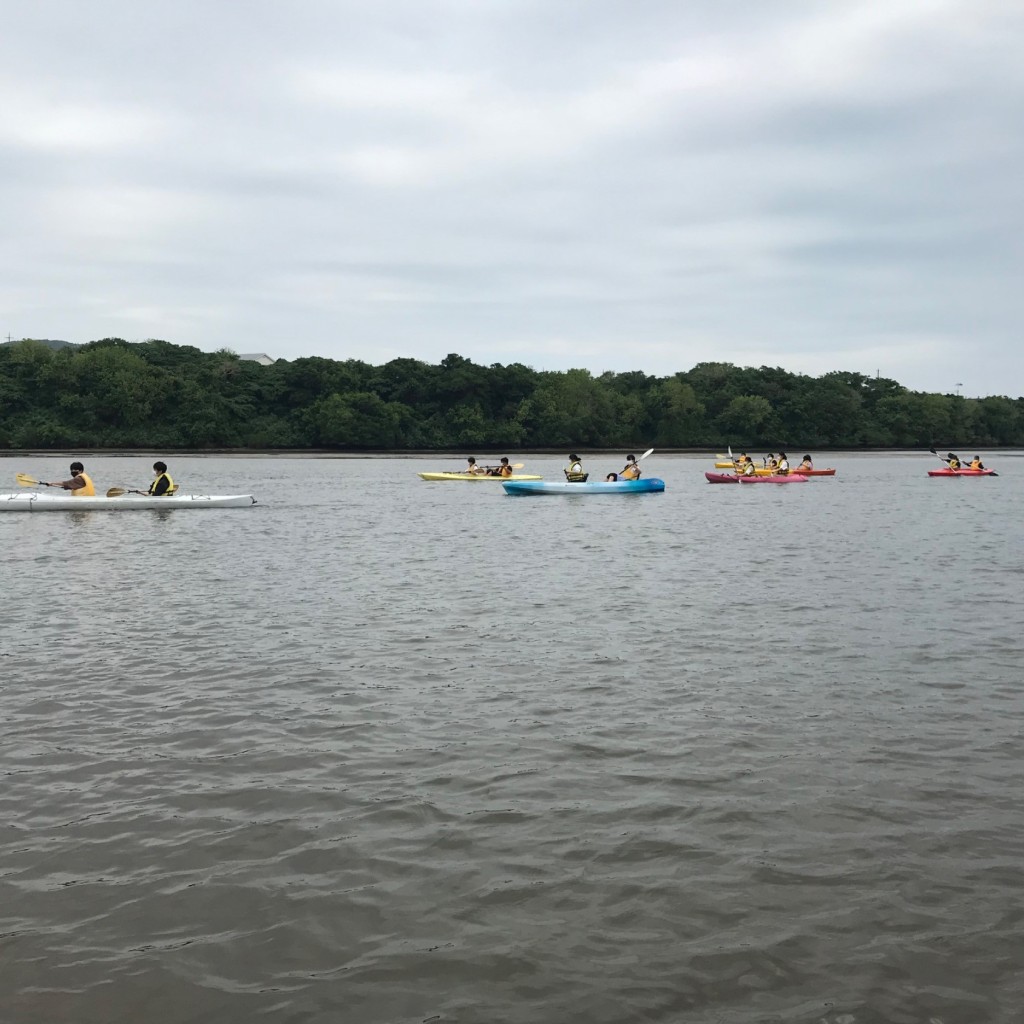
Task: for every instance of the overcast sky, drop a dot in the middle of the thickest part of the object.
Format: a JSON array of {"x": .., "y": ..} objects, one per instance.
[{"x": 613, "y": 185}]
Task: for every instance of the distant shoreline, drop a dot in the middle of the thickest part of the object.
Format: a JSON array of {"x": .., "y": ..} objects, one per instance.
[{"x": 446, "y": 455}]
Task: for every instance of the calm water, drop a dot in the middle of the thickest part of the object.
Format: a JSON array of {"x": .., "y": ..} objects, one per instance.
[{"x": 378, "y": 750}]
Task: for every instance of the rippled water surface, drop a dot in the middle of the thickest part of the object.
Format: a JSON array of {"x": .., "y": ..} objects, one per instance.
[{"x": 378, "y": 750}]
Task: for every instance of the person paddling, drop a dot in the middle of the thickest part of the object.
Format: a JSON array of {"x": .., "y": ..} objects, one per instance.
[
  {"x": 471, "y": 467},
  {"x": 162, "y": 483},
  {"x": 976, "y": 463},
  {"x": 954, "y": 462},
  {"x": 806, "y": 465},
  {"x": 80, "y": 485},
  {"x": 631, "y": 471},
  {"x": 782, "y": 468},
  {"x": 504, "y": 469},
  {"x": 574, "y": 474}
]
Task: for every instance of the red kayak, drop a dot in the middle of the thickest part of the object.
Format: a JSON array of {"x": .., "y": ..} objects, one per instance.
[
  {"x": 789, "y": 479},
  {"x": 814, "y": 472},
  {"x": 962, "y": 472},
  {"x": 722, "y": 478}
]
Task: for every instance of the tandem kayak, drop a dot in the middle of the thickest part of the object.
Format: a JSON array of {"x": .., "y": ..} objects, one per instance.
[
  {"x": 32, "y": 502},
  {"x": 962, "y": 472},
  {"x": 722, "y": 478},
  {"x": 790, "y": 479},
  {"x": 474, "y": 476},
  {"x": 759, "y": 470},
  {"x": 645, "y": 485}
]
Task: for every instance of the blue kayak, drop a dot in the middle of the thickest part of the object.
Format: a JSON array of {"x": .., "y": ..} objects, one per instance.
[{"x": 641, "y": 486}]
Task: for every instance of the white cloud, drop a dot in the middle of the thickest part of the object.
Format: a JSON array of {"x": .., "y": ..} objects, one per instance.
[
  {"x": 816, "y": 183},
  {"x": 42, "y": 119}
]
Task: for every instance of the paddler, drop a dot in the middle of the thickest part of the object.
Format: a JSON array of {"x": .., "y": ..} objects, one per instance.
[
  {"x": 80, "y": 485},
  {"x": 504, "y": 469},
  {"x": 747, "y": 469},
  {"x": 162, "y": 483},
  {"x": 954, "y": 462},
  {"x": 471, "y": 467},
  {"x": 574, "y": 474},
  {"x": 976, "y": 463},
  {"x": 782, "y": 468},
  {"x": 807, "y": 465},
  {"x": 631, "y": 471}
]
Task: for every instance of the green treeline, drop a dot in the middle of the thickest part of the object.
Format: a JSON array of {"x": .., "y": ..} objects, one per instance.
[{"x": 155, "y": 395}]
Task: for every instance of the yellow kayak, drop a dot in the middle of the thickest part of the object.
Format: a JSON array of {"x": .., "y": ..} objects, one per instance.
[{"x": 474, "y": 476}]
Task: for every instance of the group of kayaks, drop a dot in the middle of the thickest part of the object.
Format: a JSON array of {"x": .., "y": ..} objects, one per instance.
[
  {"x": 523, "y": 484},
  {"x": 576, "y": 483},
  {"x": 746, "y": 472}
]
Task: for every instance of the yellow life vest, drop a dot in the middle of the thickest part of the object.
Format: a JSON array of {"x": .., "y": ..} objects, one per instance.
[
  {"x": 88, "y": 491},
  {"x": 975, "y": 463},
  {"x": 170, "y": 485}
]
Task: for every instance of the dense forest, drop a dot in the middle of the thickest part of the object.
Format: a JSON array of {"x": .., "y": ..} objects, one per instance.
[{"x": 155, "y": 395}]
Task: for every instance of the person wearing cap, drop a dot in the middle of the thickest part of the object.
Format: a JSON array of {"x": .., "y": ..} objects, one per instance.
[
  {"x": 954, "y": 462},
  {"x": 162, "y": 483},
  {"x": 631, "y": 471},
  {"x": 574, "y": 474},
  {"x": 80, "y": 485},
  {"x": 806, "y": 465},
  {"x": 782, "y": 467},
  {"x": 471, "y": 467},
  {"x": 976, "y": 463}
]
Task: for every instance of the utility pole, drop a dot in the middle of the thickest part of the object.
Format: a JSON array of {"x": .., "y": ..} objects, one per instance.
[{"x": 958, "y": 387}]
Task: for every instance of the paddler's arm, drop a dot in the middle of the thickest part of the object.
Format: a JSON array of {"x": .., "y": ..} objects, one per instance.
[{"x": 69, "y": 485}]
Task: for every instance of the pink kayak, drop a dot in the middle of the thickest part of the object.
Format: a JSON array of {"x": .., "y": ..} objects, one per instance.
[
  {"x": 962, "y": 472},
  {"x": 722, "y": 478},
  {"x": 777, "y": 479}
]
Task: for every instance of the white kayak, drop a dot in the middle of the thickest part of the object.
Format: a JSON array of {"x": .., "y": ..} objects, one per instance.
[{"x": 34, "y": 502}]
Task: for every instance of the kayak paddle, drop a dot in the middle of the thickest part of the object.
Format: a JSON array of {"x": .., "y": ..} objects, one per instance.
[
  {"x": 24, "y": 480},
  {"x": 650, "y": 451},
  {"x": 116, "y": 492}
]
